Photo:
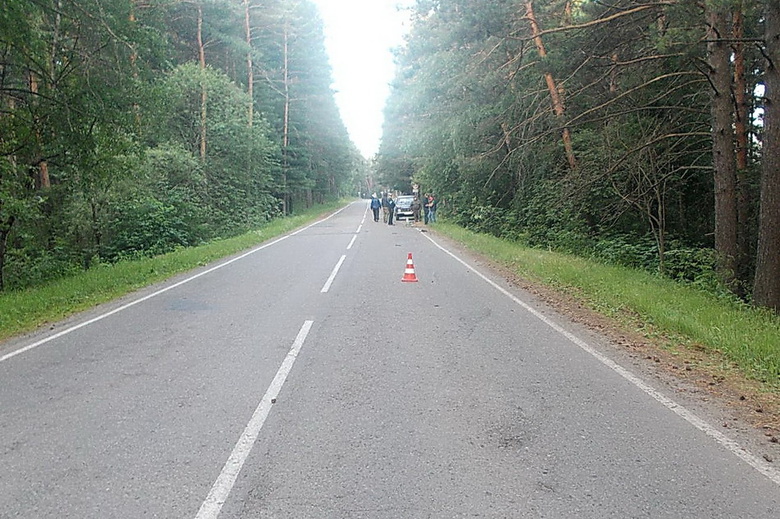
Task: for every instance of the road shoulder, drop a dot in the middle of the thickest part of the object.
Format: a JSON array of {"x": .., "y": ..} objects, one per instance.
[{"x": 699, "y": 379}]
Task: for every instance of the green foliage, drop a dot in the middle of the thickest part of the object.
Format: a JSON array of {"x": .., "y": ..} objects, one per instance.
[
  {"x": 471, "y": 117},
  {"x": 31, "y": 266},
  {"x": 102, "y": 118},
  {"x": 144, "y": 227},
  {"x": 627, "y": 251},
  {"x": 696, "y": 267},
  {"x": 319, "y": 162}
]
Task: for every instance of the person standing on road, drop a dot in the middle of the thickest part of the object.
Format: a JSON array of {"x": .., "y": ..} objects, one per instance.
[
  {"x": 416, "y": 206},
  {"x": 385, "y": 196},
  {"x": 390, "y": 209},
  {"x": 375, "y": 205},
  {"x": 430, "y": 217},
  {"x": 430, "y": 209}
]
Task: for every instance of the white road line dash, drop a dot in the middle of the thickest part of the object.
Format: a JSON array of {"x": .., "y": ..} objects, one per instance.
[
  {"x": 329, "y": 282},
  {"x": 222, "y": 487}
]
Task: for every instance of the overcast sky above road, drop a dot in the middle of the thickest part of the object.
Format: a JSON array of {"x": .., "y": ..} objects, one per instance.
[{"x": 359, "y": 35}]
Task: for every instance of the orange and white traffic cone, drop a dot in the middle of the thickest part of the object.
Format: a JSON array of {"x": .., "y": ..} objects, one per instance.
[{"x": 409, "y": 274}]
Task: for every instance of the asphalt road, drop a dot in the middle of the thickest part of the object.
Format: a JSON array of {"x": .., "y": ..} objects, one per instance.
[{"x": 305, "y": 379}]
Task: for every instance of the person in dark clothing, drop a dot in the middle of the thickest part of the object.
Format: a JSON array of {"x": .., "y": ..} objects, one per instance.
[
  {"x": 416, "y": 207},
  {"x": 390, "y": 209},
  {"x": 433, "y": 202},
  {"x": 385, "y": 196},
  {"x": 375, "y": 206}
]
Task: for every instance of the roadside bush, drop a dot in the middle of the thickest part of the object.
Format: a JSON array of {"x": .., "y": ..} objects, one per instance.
[
  {"x": 690, "y": 265},
  {"x": 145, "y": 227},
  {"x": 695, "y": 266},
  {"x": 639, "y": 253},
  {"x": 486, "y": 219},
  {"x": 28, "y": 267}
]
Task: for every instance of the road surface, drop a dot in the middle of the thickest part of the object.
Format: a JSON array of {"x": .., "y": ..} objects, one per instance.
[{"x": 305, "y": 379}]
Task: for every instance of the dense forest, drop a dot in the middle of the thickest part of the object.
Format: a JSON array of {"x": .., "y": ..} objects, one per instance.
[
  {"x": 133, "y": 127},
  {"x": 645, "y": 133}
]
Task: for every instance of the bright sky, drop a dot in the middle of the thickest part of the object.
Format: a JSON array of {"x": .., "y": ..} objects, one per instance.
[{"x": 359, "y": 36}]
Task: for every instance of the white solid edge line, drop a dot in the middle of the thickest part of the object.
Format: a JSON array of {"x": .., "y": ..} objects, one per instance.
[
  {"x": 754, "y": 461},
  {"x": 222, "y": 487},
  {"x": 158, "y": 292},
  {"x": 329, "y": 282}
]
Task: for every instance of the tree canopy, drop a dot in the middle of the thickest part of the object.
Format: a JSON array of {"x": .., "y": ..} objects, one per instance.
[
  {"x": 134, "y": 127},
  {"x": 636, "y": 131}
]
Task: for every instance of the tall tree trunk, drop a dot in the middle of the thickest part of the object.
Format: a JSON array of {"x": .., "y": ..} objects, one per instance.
[
  {"x": 286, "y": 122},
  {"x": 568, "y": 13},
  {"x": 556, "y": 91},
  {"x": 250, "y": 79},
  {"x": 766, "y": 290},
  {"x": 39, "y": 163},
  {"x": 55, "y": 39},
  {"x": 42, "y": 178},
  {"x": 5, "y": 231},
  {"x": 741, "y": 133},
  {"x": 723, "y": 156},
  {"x": 134, "y": 66},
  {"x": 203, "y": 96}
]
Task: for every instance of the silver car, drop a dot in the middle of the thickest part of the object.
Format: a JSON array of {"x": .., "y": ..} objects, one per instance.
[{"x": 403, "y": 207}]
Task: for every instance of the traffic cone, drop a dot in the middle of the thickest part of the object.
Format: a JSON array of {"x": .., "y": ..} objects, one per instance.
[{"x": 409, "y": 274}]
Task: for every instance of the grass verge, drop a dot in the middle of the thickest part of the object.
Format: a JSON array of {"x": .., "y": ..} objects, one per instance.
[
  {"x": 25, "y": 310},
  {"x": 745, "y": 336}
]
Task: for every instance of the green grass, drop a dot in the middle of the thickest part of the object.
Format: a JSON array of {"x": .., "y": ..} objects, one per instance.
[
  {"x": 745, "y": 336},
  {"x": 26, "y": 310}
]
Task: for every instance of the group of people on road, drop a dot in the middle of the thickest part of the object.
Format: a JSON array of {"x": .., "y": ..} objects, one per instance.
[{"x": 387, "y": 205}]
